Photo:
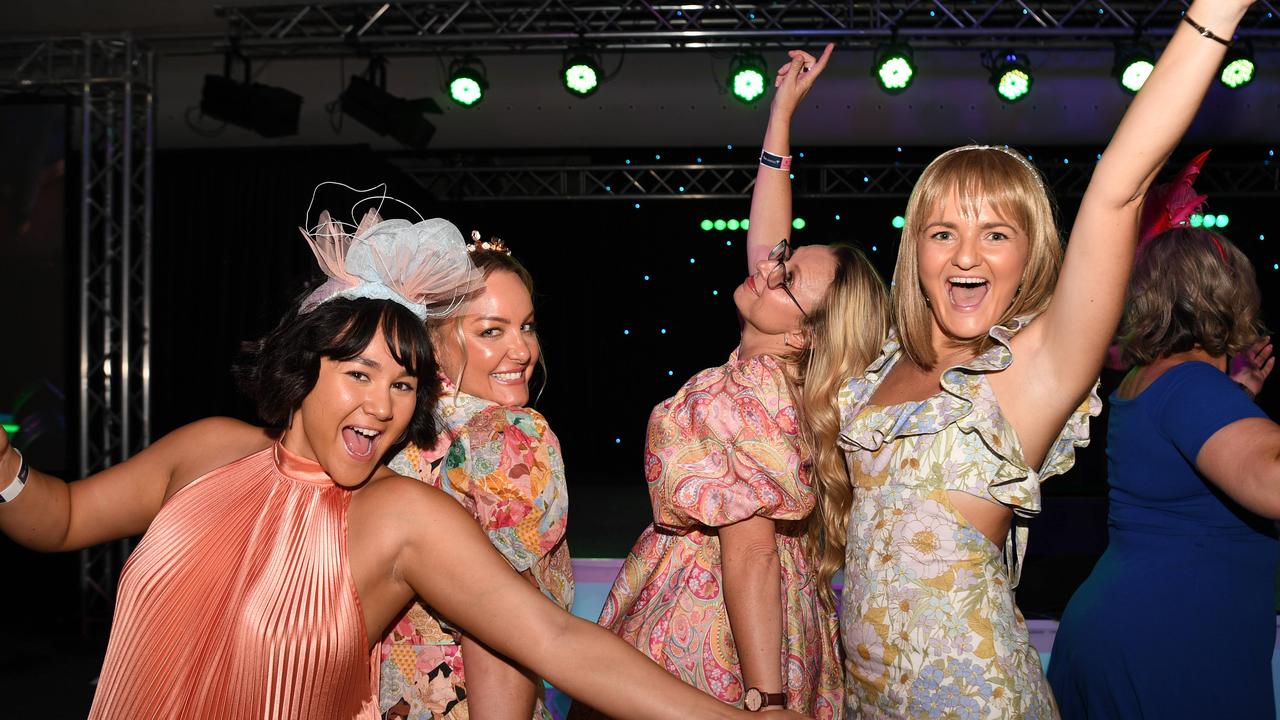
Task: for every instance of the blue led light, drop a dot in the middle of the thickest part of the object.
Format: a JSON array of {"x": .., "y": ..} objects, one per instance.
[
  {"x": 657, "y": 156},
  {"x": 646, "y": 278},
  {"x": 692, "y": 260},
  {"x": 729, "y": 146},
  {"x": 874, "y": 248},
  {"x": 715, "y": 292},
  {"x": 628, "y": 161},
  {"x": 617, "y": 441},
  {"x": 670, "y": 373},
  {"x": 637, "y": 206},
  {"x": 663, "y": 331},
  {"x": 728, "y": 242},
  {"x": 626, "y": 331}
]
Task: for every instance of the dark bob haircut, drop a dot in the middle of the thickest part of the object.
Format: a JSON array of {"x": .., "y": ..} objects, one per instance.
[
  {"x": 1190, "y": 288},
  {"x": 281, "y": 369}
]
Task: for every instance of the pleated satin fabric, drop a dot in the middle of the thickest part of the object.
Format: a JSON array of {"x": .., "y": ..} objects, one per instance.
[{"x": 239, "y": 603}]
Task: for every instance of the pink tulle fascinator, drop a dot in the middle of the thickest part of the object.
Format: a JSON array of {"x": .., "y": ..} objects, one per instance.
[
  {"x": 1171, "y": 204},
  {"x": 423, "y": 266}
]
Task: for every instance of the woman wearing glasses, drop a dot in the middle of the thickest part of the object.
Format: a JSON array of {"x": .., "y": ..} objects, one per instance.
[{"x": 722, "y": 590}]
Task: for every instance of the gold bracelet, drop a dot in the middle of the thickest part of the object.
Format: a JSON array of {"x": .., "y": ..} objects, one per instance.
[{"x": 1205, "y": 32}]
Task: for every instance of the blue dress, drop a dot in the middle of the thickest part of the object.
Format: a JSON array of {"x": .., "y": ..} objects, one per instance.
[{"x": 1177, "y": 619}]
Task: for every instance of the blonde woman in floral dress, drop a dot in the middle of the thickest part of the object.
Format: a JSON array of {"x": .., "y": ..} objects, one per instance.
[
  {"x": 503, "y": 463},
  {"x": 723, "y": 590},
  {"x": 983, "y": 392}
]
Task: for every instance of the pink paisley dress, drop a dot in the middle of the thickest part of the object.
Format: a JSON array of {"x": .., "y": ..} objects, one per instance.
[
  {"x": 725, "y": 448},
  {"x": 929, "y": 624},
  {"x": 503, "y": 465}
]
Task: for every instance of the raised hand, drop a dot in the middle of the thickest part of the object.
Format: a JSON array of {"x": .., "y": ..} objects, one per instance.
[
  {"x": 1251, "y": 367},
  {"x": 794, "y": 79}
]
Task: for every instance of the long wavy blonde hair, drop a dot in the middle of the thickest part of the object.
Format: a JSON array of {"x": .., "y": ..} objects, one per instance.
[{"x": 845, "y": 331}]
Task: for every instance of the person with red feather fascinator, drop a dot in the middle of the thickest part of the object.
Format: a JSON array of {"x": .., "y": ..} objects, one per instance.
[{"x": 1176, "y": 619}]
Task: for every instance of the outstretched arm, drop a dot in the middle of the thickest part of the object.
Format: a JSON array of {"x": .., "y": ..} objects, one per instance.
[
  {"x": 51, "y": 515},
  {"x": 476, "y": 589},
  {"x": 753, "y": 599},
  {"x": 771, "y": 196},
  {"x": 1087, "y": 304}
]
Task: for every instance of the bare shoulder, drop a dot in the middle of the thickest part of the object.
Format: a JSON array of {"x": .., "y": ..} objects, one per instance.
[
  {"x": 401, "y": 500},
  {"x": 206, "y": 445}
]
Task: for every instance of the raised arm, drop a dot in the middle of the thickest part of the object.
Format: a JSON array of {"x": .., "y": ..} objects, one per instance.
[
  {"x": 476, "y": 589},
  {"x": 51, "y": 515},
  {"x": 1086, "y": 306},
  {"x": 771, "y": 196}
]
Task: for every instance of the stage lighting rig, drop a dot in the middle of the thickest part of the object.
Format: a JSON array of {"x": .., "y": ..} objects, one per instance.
[
  {"x": 1010, "y": 74},
  {"x": 1237, "y": 67},
  {"x": 894, "y": 67},
  {"x": 747, "y": 77},
  {"x": 581, "y": 74},
  {"x": 1133, "y": 65},
  {"x": 269, "y": 111},
  {"x": 367, "y": 101},
  {"x": 468, "y": 81}
]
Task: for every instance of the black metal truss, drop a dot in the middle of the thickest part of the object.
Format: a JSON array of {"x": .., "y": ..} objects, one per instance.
[
  {"x": 110, "y": 82},
  {"x": 734, "y": 181},
  {"x": 493, "y": 26}
]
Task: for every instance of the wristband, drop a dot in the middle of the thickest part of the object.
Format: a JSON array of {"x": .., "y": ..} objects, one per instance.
[
  {"x": 14, "y": 488},
  {"x": 777, "y": 162},
  {"x": 1205, "y": 32}
]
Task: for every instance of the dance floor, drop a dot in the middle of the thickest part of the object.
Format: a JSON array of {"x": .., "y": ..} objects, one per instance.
[{"x": 594, "y": 576}]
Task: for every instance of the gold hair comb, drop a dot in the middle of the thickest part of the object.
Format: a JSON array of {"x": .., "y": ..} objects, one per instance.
[{"x": 493, "y": 244}]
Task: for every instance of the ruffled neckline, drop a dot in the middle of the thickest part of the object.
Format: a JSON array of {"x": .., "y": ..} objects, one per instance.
[{"x": 965, "y": 399}]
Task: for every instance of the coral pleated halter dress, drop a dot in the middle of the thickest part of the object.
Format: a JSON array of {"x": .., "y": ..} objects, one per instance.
[{"x": 239, "y": 603}]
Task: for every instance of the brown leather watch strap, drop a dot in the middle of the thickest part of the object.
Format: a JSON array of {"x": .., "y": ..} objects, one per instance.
[{"x": 774, "y": 700}]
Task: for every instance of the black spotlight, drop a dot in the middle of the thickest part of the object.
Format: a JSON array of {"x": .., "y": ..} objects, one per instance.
[
  {"x": 269, "y": 111},
  {"x": 367, "y": 101}
]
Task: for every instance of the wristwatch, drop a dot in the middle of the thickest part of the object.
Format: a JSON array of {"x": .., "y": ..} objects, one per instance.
[{"x": 756, "y": 700}]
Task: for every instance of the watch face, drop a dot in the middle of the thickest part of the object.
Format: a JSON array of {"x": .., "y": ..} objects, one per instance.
[{"x": 754, "y": 700}]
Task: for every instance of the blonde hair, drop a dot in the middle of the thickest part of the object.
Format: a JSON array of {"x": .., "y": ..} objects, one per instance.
[
  {"x": 979, "y": 176},
  {"x": 1190, "y": 287},
  {"x": 845, "y": 330},
  {"x": 487, "y": 262}
]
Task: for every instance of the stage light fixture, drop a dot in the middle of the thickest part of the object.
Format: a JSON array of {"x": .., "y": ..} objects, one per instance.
[
  {"x": 468, "y": 81},
  {"x": 746, "y": 77},
  {"x": 1237, "y": 67},
  {"x": 367, "y": 101},
  {"x": 894, "y": 68},
  {"x": 269, "y": 111},
  {"x": 1010, "y": 75},
  {"x": 581, "y": 75},
  {"x": 1133, "y": 65}
]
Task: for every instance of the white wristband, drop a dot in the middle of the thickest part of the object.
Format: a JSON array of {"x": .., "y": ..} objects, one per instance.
[{"x": 14, "y": 488}]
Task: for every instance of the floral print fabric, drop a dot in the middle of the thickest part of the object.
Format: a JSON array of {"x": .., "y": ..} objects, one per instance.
[
  {"x": 929, "y": 625},
  {"x": 504, "y": 466},
  {"x": 725, "y": 448}
]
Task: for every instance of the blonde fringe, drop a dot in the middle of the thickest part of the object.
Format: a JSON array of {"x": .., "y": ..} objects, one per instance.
[{"x": 846, "y": 330}]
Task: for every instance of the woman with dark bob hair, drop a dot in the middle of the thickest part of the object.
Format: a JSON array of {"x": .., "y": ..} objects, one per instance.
[
  {"x": 1177, "y": 618},
  {"x": 273, "y": 562}
]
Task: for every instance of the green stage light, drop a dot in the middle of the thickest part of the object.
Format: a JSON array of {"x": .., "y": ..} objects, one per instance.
[
  {"x": 798, "y": 223},
  {"x": 721, "y": 224},
  {"x": 745, "y": 224},
  {"x": 11, "y": 428},
  {"x": 467, "y": 83},
  {"x": 1133, "y": 66},
  {"x": 1237, "y": 67},
  {"x": 746, "y": 77},
  {"x": 1223, "y": 219},
  {"x": 1197, "y": 220},
  {"x": 706, "y": 225},
  {"x": 1010, "y": 75},
  {"x": 1209, "y": 221},
  {"x": 581, "y": 75},
  {"x": 893, "y": 68},
  {"x": 732, "y": 224},
  {"x": 899, "y": 222}
]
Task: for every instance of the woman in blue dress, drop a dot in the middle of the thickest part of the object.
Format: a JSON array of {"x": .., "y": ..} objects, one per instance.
[{"x": 1177, "y": 619}]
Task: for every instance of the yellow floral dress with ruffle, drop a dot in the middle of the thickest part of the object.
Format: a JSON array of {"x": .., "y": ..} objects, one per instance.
[{"x": 929, "y": 624}]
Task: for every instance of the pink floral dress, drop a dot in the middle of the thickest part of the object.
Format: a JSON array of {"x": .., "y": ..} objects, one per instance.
[
  {"x": 929, "y": 624},
  {"x": 725, "y": 448},
  {"x": 504, "y": 465}
]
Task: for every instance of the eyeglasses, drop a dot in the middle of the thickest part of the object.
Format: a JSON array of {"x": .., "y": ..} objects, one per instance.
[{"x": 779, "y": 276}]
